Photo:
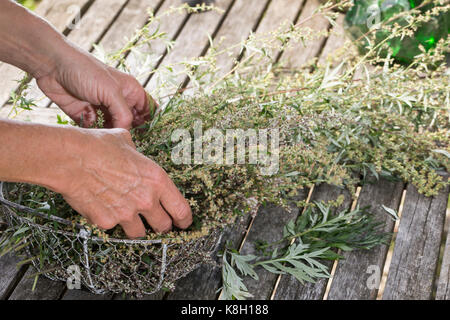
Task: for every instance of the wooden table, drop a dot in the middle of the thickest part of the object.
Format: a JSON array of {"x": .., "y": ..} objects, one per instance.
[{"x": 412, "y": 270}]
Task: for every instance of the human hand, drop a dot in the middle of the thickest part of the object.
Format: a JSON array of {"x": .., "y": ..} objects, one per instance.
[
  {"x": 110, "y": 183},
  {"x": 77, "y": 82},
  {"x": 80, "y": 85}
]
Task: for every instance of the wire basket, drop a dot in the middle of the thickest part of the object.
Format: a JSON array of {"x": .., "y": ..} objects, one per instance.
[{"x": 137, "y": 267}]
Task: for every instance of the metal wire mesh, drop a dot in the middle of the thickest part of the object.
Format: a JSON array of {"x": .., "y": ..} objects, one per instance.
[{"x": 136, "y": 267}]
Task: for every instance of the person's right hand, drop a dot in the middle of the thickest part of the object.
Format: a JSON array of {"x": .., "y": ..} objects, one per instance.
[{"x": 112, "y": 184}]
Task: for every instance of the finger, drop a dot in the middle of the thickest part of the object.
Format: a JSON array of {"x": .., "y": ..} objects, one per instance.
[
  {"x": 145, "y": 108},
  {"x": 82, "y": 113},
  {"x": 102, "y": 221},
  {"x": 95, "y": 215},
  {"x": 120, "y": 112},
  {"x": 151, "y": 106},
  {"x": 140, "y": 102},
  {"x": 138, "y": 120},
  {"x": 176, "y": 205},
  {"x": 88, "y": 117},
  {"x": 133, "y": 228},
  {"x": 158, "y": 219}
]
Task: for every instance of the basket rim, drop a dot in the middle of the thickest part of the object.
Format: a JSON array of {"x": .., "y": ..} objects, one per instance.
[{"x": 84, "y": 233}]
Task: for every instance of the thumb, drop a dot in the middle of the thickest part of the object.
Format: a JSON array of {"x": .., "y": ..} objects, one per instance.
[{"x": 118, "y": 109}]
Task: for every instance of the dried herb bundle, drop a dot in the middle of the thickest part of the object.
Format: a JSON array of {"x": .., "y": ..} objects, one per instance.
[{"x": 349, "y": 118}]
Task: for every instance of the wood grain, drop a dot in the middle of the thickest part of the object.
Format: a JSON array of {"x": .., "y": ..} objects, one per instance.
[
  {"x": 334, "y": 42},
  {"x": 289, "y": 288},
  {"x": 204, "y": 282},
  {"x": 133, "y": 17},
  {"x": 171, "y": 26},
  {"x": 268, "y": 226},
  {"x": 243, "y": 18},
  {"x": 45, "y": 289},
  {"x": 279, "y": 13},
  {"x": 10, "y": 274},
  {"x": 87, "y": 32},
  {"x": 350, "y": 279},
  {"x": 416, "y": 250},
  {"x": 443, "y": 289},
  {"x": 129, "y": 19},
  {"x": 36, "y": 115},
  {"x": 59, "y": 14},
  {"x": 192, "y": 41},
  {"x": 297, "y": 54}
]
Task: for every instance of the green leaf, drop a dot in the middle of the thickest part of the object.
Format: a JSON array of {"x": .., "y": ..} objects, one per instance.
[
  {"x": 441, "y": 151},
  {"x": 232, "y": 285},
  {"x": 392, "y": 212},
  {"x": 242, "y": 263}
]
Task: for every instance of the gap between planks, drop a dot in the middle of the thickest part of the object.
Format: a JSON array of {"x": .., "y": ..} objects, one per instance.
[
  {"x": 302, "y": 13},
  {"x": 391, "y": 248},
  {"x": 262, "y": 21},
  {"x": 415, "y": 258},
  {"x": 333, "y": 269},
  {"x": 219, "y": 26},
  {"x": 358, "y": 275},
  {"x": 227, "y": 65},
  {"x": 58, "y": 13},
  {"x": 117, "y": 14}
]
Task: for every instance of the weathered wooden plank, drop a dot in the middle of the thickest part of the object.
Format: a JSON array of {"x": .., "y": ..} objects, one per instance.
[
  {"x": 204, "y": 282},
  {"x": 278, "y": 13},
  {"x": 63, "y": 14},
  {"x": 297, "y": 54},
  {"x": 85, "y": 295},
  {"x": 242, "y": 19},
  {"x": 443, "y": 289},
  {"x": 334, "y": 42},
  {"x": 350, "y": 279},
  {"x": 268, "y": 226},
  {"x": 45, "y": 289},
  {"x": 36, "y": 115},
  {"x": 60, "y": 14},
  {"x": 171, "y": 26},
  {"x": 42, "y": 9},
  {"x": 115, "y": 37},
  {"x": 191, "y": 43},
  {"x": 269, "y": 222},
  {"x": 10, "y": 274},
  {"x": 95, "y": 22},
  {"x": 93, "y": 25},
  {"x": 133, "y": 17},
  {"x": 289, "y": 288},
  {"x": 57, "y": 13},
  {"x": 416, "y": 250}
]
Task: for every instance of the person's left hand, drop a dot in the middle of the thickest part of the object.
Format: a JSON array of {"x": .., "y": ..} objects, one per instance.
[{"x": 80, "y": 85}]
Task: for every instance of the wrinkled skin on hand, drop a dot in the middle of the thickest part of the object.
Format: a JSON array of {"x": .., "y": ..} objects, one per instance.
[
  {"x": 114, "y": 184},
  {"x": 81, "y": 85},
  {"x": 98, "y": 171}
]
